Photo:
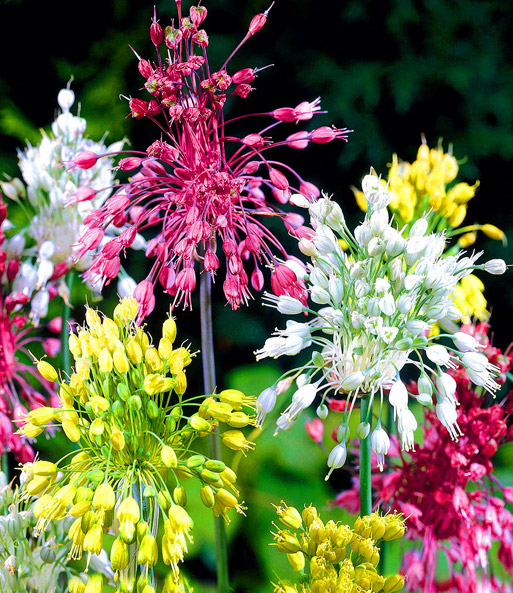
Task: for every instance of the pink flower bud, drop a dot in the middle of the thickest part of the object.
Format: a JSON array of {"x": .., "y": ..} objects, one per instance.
[
  {"x": 143, "y": 294},
  {"x": 323, "y": 134},
  {"x": 244, "y": 76},
  {"x": 200, "y": 38},
  {"x": 257, "y": 279},
  {"x": 309, "y": 190},
  {"x": 258, "y": 21},
  {"x": 253, "y": 140},
  {"x": 145, "y": 68},
  {"x": 59, "y": 270},
  {"x": 85, "y": 160},
  {"x": 186, "y": 280},
  {"x": 278, "y": 179},
  {"x": 51, "y": 346},
  {"x": 130, "y": 163},
  {"x": 112, "y": 267},
  {"x": 127, "y": 237},
  {"x": 305, "y": 110},
  {"x": 315, "y": 429},
  {"x": 243, "y": 90},
  {"x": 284, "y": 114},
  {"x": 251, "y": 167},
  {"x": 84, "y": 194},
  {"x": 229, "y": 247},
  {"x": 12, "y": 269},
  {"x": 156, "y": 34},
  {"x": 55, "y": 324},
  {"x": 299, "y": 139},
  {"x": 117, "y": 203},
  {"x": 197, "y": 15},
  {"x": 138, "y": 108},
  {"x": 210, "y": 261},
  {"x": 252, "y": 244}
]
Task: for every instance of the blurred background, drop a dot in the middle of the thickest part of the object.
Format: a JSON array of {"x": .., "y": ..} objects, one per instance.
[{"x": 391, "y": 71}]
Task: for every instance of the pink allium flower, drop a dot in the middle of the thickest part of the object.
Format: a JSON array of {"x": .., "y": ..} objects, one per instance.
[
  {"x": 201, "y": 186},
  {"x": 446, "y": 489},
  {"x": 16, "y": 390}
]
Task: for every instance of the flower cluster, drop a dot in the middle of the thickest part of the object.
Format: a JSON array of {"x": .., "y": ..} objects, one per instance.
[
  {"x": 447, "y": 490},
  {"x": 57, "y": 197},
  {"x": 378, "y": 301},
  {"x": 135, "y": 444},
  {"x": 17, "y": 388},
  {"x": 331, "y": 556},
  {"x": 200, "y": 183},
  {"x": 29, "y": 564}
]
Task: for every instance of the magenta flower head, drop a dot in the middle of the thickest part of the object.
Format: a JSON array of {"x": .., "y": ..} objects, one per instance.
[
  {"x": 17, "y": 391},
  {"x": 203, "y": 188}
]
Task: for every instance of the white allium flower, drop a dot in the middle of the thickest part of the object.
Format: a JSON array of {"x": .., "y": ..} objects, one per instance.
[
  {"x": 265, "y": 403},
  {"x": 376, "y": 313},
  {"x": 336, "y": 458},
  {"x": 446, "y": 412},
  {"x": 380, "y": 444}
]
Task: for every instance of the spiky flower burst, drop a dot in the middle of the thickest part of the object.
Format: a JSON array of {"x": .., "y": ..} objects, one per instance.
[
  {"x": 378, "y": 301},
  {"x": 428, "y": 187},
  {"x": 17, "y": 386},
  {"x": 56, "y": 197},
  {"x": 137, "y": 438},
  {"x": 333, "y": 557},
  {"x": 200, "y": 183}
]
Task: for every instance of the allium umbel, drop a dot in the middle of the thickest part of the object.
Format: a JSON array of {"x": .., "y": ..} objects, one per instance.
[
  {"x": 200, "y": 184},
  {"x": 378, "y": 302}
]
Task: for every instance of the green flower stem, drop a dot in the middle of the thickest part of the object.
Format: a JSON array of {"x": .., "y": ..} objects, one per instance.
[
  {"x": 365, "y": 464},
  {"x": 209, "y": 381},
  {"x": 5, "y": 465},
  {"x": 65, "y": 315}
]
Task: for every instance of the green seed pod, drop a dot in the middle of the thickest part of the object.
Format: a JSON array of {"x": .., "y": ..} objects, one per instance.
[
  {"x": 168, "y": 456},
  {"x": 207, "y": 496},
  {"x": 211, "y": 477},
  {"x": 318, "y": 359},
  {"x": 135, "y": 403},
  {"x": 47, "y": 554},
  {"x": 149, "y": 492},
  {"x": 404, "y": 344},
  {"x": 195, "y": 461},
  {"x": 152, "y": 410},
  {"x": 170, "y": 423},
  {"x": 107, "y": 387},
  {"x": 84, "y": 494},
  {"x": 142, "y": 530},
  {"x": 420, "y": 342},
  {"x": 123, "y": 391},
  {"x": 96, "y": 476},
  {"x": 215, "y": 465},
  {"x": 118, "y": 409},
  {"x": 87, "y": 521}
]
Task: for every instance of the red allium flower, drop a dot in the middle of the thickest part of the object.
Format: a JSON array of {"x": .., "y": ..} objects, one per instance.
[
  {"x": 447, "y": 490},
  {"x": 200, "y": 184},
  {"x": 16, "y": 389}
]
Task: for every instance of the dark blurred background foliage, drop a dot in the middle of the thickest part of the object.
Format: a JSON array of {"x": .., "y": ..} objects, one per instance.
[{"x": 390, "y": 70}]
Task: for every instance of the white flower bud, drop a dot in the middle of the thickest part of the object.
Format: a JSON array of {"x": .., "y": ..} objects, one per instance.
[
  {"x": 475, "y": 361},
  {"x": 265, "y": 403},
  {"x": 376, "y": 247},
  {"x": 363, "y": 234},
  {"x": 336, "y": 458},
  {"x": 398, "y": 397},
  {"x": 299, "y": 200},
  {"x": 448, "y": 416},
  {"x": 126, "y": 287},
  {"x": 65, "y": 99},
  {"x": 44, "y": 272},
  {"x": 363, "y": 430},
  {"x": 424, "y": 385},
  {"x": 307, "y": 247},
  {"x": 289, "y": 305},
  {"x": 352, "y": 381},
  {"x": 405, "y": 304},
  {"x": 379, "y": 222},
  {"x": 495, "y": 266},
  {"x": 387, "y": 304},
  {"x": 446, "y": 386},
  {"x": 324, "y": 239},
  {"x": 319, "y": 278},
  {"x": 465, "y": 342},
  {"x": 335, "y": 217},
  {"x": 439, "y": 355},
  {"x": 376, "y": 195},
  {"x": 412, "y": 281},
  {"x": 16, "y": 245},
  {"x": 373, "y": 307},
  {"x": 380, "y": 444},
  {"x": 417, "y": 326},
  {"x": 298, "y": 269},
  {"x": 322, "y": 411},
  {"x": 319, "y": 295},
  {"x": 47, "y": 250},
  {"x": 336, "y": 288},
  {"x": 419, "y": 228}
]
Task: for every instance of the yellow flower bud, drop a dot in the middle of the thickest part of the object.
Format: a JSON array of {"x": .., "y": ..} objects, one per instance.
[
  {"x": 423, "y": 152},
  {"x": 234, "y": 397},
  {"x": 458, "y": 216},
  {"x": 393, "y": 583},
  {"x": 200, "y": 424},
  {"x": 178, "y": 521},
  {"x": 44, "y": 468},
  {"x": 79, "y": 509},
  {"x": 142, "y": 339},
  {"x": 99, "y": 404},
  {"x": 168, "y": 456},
  {"x": 93, "y": 540},
  {"x": 226, "y": 498},
  {"x": 207, "y": 496},
  {"x": 235, "y": 439},
  {"x": 47, "y": 371},
  {"x": 152, "y": 360},
  {"x": 287, "y": 542},
  {"x": 96, "y": 428},
  {"x": 92, "y": 318},
  {"x": 95, "y": 584},
  {"x": 240, "y": 420},
  {"x": 220, "y": 411},
  {"x": 134, "y": 351},
  {"x": 289, "y": 516},
  {"x": 119, "y": 555},
  {"x": 148, "y": 551},
  {"x": 180, "y": 383},
  {"x": 125, "y": 311},
  {"x": 129, "y": 510},
  {"x": 467, "y": 240},
  {"x": 117, "y": 439},
  {"x": 104, "y": 497},
  {"x": 74, "y": 346},
  {"x": 493, "y": 232},
  {"x": 169, "y": 329},
  {"x": 461, "y": 193},
  {"x": 71, "y": 430},
  {"x": 75, "y": 585},
  {"x": 105, "y": 361},
  {"x": 120, "y": 361},
  {"x": 165, "y": 348},
  {"x": 297, "y": 561},
  {"x": 30, "y": 430},
  {"x": 83, "y": 369},
  {"x": 180, "y": 496}
]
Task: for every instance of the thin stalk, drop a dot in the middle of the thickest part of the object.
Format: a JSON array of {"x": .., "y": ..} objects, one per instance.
[
  {"x": 365, "y": 464},
  {"x": 65, "y": 315},
  {"x": 5, "y": 464},
  {"x": 209, "y": 382}
]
